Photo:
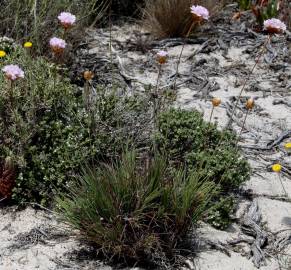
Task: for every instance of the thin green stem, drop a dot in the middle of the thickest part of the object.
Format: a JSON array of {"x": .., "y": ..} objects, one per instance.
[
  {"x": 212, "y": 110},
  {"x": 156, "y": 95},
  {"x": 247, "y": 79},
  {"x": 181, "y": 53}
]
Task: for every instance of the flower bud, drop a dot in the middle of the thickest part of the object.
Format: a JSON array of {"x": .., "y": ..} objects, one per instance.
[
  {"x": 162, "y": 57},
  {"x": 250, "y": 104},
  {"x": 88, "y": 75},
  {"x": 216, "y": 102}
]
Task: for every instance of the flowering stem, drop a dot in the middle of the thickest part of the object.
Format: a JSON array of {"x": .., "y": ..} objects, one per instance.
[
  {"x": 156, "y": 95},
  {"x": 86, "y": 95},
  {"x": 247, "y": 79},
  {"x": 10, "y": 90},
  {"x": 211, "y": 114},
  {"x": 181, "y": 53},
  {"x": 242, "y": 128}
]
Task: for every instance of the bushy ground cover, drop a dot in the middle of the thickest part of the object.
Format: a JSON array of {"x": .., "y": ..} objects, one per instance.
[{"x": 133, "y": 179}]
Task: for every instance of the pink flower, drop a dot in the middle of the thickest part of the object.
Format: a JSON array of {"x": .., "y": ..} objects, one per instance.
[
  {"x": 200, "y": 12},
  {"x": 162, "y": 54},
  {"x": 162, "y": 57},
  {"x": 274, "y": 26},
  {"x": 67, "y": 19},
  {"x": 57, "y": 45},
  {"x": 13, "y": 72}
]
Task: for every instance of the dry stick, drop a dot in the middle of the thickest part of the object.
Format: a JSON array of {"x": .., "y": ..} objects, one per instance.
[
  {"x": 286, "y": 194},
  {"x": 181, "y": 53},
  {"x": 247, "y": 79},
  {"x": 242, "y": 128}
]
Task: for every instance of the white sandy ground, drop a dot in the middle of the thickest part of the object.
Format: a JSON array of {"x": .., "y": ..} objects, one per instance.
[{"x": 263, "y": 124}]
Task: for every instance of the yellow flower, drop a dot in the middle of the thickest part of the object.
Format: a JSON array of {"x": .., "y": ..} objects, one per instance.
[
  {"x": 2, "y": 54},
  {"x": 27, "y": 44},
  {"x": 276, "y": 168},
  {"x": 288, "y": 146}
]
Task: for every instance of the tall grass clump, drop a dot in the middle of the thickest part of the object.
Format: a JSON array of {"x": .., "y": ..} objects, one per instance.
[
  {"x": 133, "y": 209},
  {"x": 172, "y": 18},
  {"x": 36, "y": 20}
]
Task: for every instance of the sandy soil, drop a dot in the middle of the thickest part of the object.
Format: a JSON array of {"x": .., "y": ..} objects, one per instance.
[{"x": 213, "y": 67}]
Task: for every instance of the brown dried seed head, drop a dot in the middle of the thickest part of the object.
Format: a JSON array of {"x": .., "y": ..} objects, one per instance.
[
  {"x": 162, "y": 59},
  {"x": 216, "y": 102},
  {"x": 88, "y": 75},
  {"x": 250, "y": 104}
]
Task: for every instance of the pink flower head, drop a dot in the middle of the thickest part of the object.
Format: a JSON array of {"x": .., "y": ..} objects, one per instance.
[
  {"x": 162, "y": 57},
  {"x": 57, "y": 45},
  {"x": 200, "y": 13},
  {"x": 274, "y": 26},
  {"x": 13, "y": 72},
  {"x": 67, "y": 19},
  {"x": 162, "y": 54}
]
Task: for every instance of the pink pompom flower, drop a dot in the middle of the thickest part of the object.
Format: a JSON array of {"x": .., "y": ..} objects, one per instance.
[
  {"x": 13, "y": 72},
  {"x": 57, "y": 45},
  {"x": 162, "y": 57},
  {"x": 67, "y": 19},
  {"x": 199, "y": 13},
  {"x": 274, "y": 26}
]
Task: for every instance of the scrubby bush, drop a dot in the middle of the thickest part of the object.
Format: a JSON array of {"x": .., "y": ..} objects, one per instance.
[
  {"x": 135, "y": 208},
  {"x": 47, "y": 131},
  {"x": 172, "y": 18},
  {"x": 198, "y": 144}
]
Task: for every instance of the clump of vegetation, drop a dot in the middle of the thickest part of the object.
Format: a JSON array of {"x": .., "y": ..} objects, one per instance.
[
  {"x": 190, "y": 140},
  {"x": 135, "y": 209},
  {"x": 48, "y": 132},
  {"x": 264, "y": 10},
  {"x": 37, "y": 20},
  {"x": 158, "y": 12}
]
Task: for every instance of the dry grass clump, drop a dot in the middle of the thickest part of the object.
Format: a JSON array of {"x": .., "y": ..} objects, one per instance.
[{"x": 172, "y": 18}]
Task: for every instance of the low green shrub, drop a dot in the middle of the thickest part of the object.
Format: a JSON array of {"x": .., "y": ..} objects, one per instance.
[
  {"x": 48, "y": 133},
  {"x": 200, "y": 145},
  {"x": 219, "y": 215},
  {"x": 190, "y": 140},
  {"x": 135, "y": 209}
]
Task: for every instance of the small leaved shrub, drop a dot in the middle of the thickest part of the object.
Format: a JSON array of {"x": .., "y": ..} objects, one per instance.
[
  {"x": 190, "y": 140},
  {"x": 219, "y": 214},
  {"x": 47, "y": 132},
  {"x": 134, "y": 209}
]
